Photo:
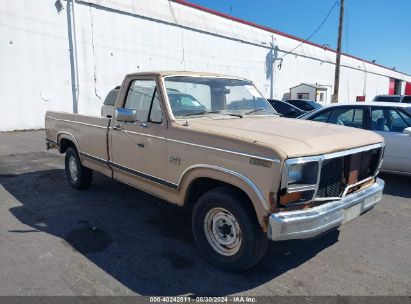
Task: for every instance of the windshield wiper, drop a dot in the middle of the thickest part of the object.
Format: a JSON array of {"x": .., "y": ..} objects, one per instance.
[
  {"x": 257, "y": 110},
  {"x": 203, "y": 112},
  {"x": 215, "y": 112},
  {"x": 233, "y": 114}
]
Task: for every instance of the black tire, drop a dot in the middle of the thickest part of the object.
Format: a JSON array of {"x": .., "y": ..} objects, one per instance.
[
  {"x": 84, "y": 175},
  {"x": 253, "y": 243}
]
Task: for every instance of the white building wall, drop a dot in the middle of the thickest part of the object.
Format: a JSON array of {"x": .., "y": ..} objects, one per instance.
[
  {"x": 34, "y": 65},
  {"x": 123, "y": 36}
]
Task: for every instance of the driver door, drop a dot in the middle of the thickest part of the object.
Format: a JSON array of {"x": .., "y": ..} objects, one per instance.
[
  {"x": 390, "y": 124},
  {"x": 138, "y": 150}
]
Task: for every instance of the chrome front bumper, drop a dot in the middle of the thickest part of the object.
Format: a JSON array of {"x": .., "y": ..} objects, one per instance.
[{"x": 308, "y": 223}]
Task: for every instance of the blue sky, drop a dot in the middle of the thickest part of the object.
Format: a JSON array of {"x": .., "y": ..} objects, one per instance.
[{"x": 373, "y": 29}]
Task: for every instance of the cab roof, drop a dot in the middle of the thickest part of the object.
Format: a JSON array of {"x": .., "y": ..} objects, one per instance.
[{"x": 184, "y": 73}]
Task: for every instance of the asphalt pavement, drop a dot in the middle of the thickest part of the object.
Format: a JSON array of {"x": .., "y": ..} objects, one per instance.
[{"x": 116, "y": 240}]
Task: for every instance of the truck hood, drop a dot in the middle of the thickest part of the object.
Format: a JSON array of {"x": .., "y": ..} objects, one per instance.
[{"x": 288, "y": 137}]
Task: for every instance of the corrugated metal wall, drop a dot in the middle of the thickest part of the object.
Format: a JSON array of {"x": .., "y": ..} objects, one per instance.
[{"x": 118, "y": 37}]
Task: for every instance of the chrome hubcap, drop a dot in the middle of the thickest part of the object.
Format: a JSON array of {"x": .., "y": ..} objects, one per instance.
[
  {"x": 73, "y": 168},
  {"x": 222, "y": 231}
]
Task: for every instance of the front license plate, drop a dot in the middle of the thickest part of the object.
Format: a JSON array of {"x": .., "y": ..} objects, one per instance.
[{"x": 351, "y": 213}]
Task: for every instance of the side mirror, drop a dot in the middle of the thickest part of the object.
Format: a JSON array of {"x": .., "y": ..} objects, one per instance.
[
  {"x": 407, "y": 131},
  {"x": 125, "y": 115}
]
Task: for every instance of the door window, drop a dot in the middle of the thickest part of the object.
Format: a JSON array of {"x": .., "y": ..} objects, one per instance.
[
  {"x": 350, "y": 117},
  {"x": 155, "y": 113},
  {"x": 406, "y": 117},
  {"x": 388, "y": 119},
  {"x": 322, "y": 117},
  {"x": 358, "y": 119},
  {"x": 143, "y": 97},
  {"x": 396, "y": 122}
]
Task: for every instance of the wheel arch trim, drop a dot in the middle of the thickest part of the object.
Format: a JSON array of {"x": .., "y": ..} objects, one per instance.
[
  {"x": 238, "y": 175},
  {"x": 67, "y": 135}
]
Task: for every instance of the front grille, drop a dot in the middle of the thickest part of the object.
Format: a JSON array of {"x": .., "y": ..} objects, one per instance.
[
  {"x": 331, "y": 181},
  {"x": 338, "y": 173}
]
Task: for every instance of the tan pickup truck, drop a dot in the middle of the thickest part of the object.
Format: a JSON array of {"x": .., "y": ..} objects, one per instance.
[{"x": 214, "y": 143}]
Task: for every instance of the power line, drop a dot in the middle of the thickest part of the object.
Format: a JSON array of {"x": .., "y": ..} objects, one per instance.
[{"x": 313, "y": 33}]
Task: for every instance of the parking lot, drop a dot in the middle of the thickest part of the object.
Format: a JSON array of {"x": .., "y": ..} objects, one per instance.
[{"x": 116, "y": 240}]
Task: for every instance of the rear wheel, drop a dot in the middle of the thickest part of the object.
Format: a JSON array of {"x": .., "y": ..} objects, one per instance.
[
  {"x": 227, "y": 231},
  {"x": 78, "y": 176}
]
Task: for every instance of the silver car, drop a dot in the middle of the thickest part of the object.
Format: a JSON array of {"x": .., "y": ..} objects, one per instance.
[{"x": 389, "y": 119}]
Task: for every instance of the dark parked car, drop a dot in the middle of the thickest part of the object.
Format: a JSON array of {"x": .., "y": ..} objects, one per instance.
[
  {"x": 286, "y": 109},
  {"x": 393, "y": 98},
  {"x": 305, "y": 104}
]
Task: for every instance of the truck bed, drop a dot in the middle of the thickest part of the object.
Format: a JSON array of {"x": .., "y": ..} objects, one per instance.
[{"x": 89, "y": 133}]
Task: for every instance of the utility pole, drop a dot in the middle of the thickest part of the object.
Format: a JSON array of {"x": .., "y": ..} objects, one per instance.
[{"x": 338, "y": 59}]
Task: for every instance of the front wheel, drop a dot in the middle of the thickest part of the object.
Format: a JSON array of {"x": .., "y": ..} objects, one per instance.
[
  {"x": 78, "y": 176},
  {"x": 227, "y": 231}
]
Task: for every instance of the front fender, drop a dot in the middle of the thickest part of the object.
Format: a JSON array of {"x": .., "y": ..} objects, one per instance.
[{"x": 236, "y": 179}]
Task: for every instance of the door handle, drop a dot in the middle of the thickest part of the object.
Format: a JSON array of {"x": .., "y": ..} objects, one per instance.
[{"x": 140, "y": 145}]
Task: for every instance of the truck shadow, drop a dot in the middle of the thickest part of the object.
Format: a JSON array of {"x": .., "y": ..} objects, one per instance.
[
  {"x": 397, "y": 185},
  {"x": 140, "y": 240}
]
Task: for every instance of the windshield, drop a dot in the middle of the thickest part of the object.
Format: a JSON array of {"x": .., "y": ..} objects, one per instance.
[
  {"x": 193, "y": 96},
  {"x": 314, "y": 104}
]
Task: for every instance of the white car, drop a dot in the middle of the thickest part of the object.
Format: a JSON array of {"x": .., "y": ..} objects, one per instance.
[{"x": 389, "y": 119}]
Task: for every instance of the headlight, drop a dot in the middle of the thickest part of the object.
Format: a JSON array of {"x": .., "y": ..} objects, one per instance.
[
  {"x": 299, "y": 180},
  {"x": 295, "y": 173},
  {"x": 300, "y": 172}
]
